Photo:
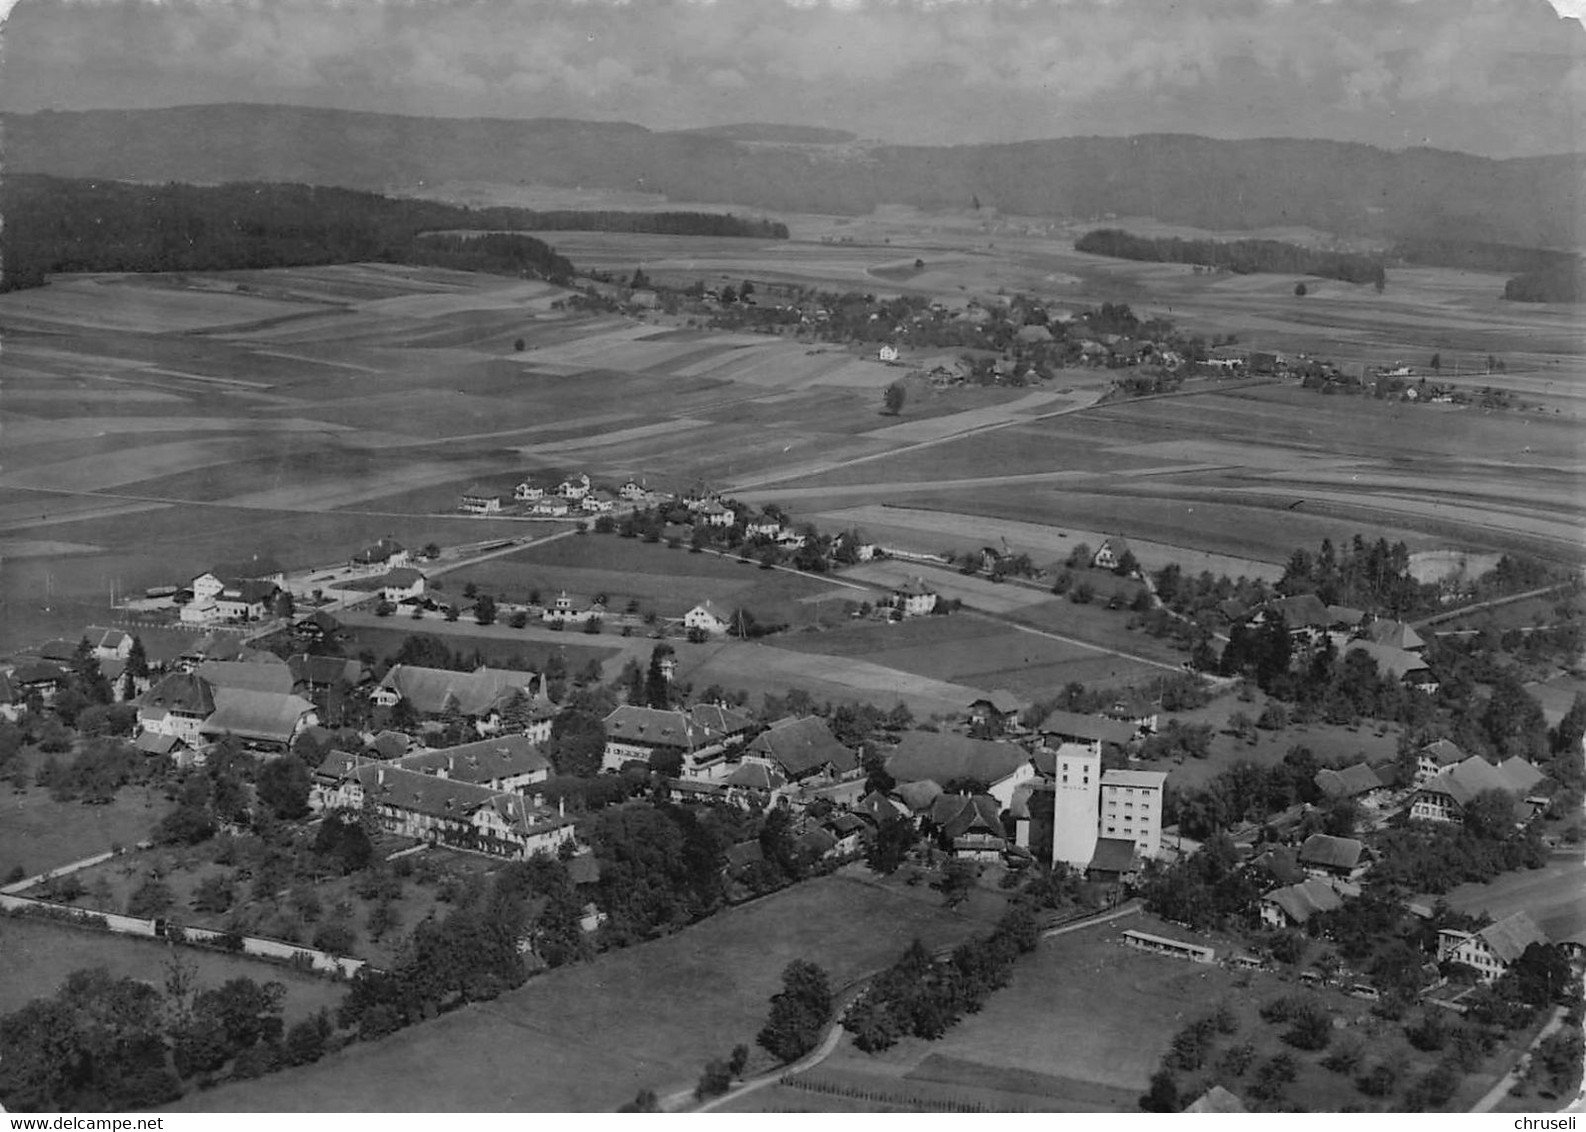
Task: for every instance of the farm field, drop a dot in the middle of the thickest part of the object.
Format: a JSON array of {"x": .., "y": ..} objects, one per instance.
[
  {"x": 1020, "y": 1051},
  {"x": 587, "y": 1038},
  {"x": 40, "y": 955},
  {"x": 1552, "y": 895},
  {"x": 38, "y": 833},
  {"x": 975, "y": 651},
  {"x": 155, "y": 424}
]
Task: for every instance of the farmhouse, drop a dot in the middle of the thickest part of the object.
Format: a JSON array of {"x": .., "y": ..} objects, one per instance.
[
  {"x": 574, "y": 489},
  {"x": 1490, "y": 950},
  {"x": 1434, "y": 757},
  {"x": 265, "y": 720},
  {"x": 551, "y": 506},
  {"x": 640, "y": 734},
  {"x": 259, "y": 568},
  {"x": 1351, "y": 782},
  {"x": 1445, "y": 796},
  {"x": 946, "y": 758},
  {"x": 1072, "y": 727},
  {"x": 913, "y": 598},
  {"x": 1394, "y": 635},
  {"x": 1398, "y": 664},
  {"x": 598, "y": 502},
  {"x": 381, "y": 555},
  {"x": 480, "y": 500},
  {"x": 887, "y": 354},
  {"x": 1293, "y": 905},
  {"x": 997, "y": 710},
  {"x": 247, "y": 676},
  {"x": 1131, "y": 808},
  {"x": 804, "y": 750},
  {"x": 528, "y": 491},
  {"x": 401, "y": 584},
  {"x": 632, "y": 491},
  {"x": 39, "y": 678},
  {"x": 108, "y": 644},
  {"x": 971, "y": 825},
  {"x": 177, "y": 706},
  {"x": 480, "y": 695},
  {"x": 713, "y": 514},
  {"x": 707, "y": 617},
  {"x": 1325, "y": 856},
  {"x": 1110, "y": 554},
  {"x": 567, "y": 607}
]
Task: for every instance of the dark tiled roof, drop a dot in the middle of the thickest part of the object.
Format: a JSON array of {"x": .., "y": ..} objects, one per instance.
[
  {"x": 265, "y": 716},
  {"x": 919, "y": 796},
  {"x": 958, "y": 814},
  {"x": 1509, "y": 937},
  {"x": 1112, "y": 855},
  {"x": 720, "y": 720},
  {"x": 477, "y": 693},
  {"x": 1302, "y": 901},
  {"x": 310, "y": 669},
  {"x": 378, "y": 551},
  {"x": 181, "y": 692},
  {"x": 1090, "y": 728},
  {"x": 1330, "y": 852},
  {"x": 943, "y": 757},
  {"x": 800, "y": 746},
  {"x": 654, "y": 727},
  {"x": 489, "y": 760},
  {"x": 1350, "y": 782},
  {"x": 756, "y": 776},
  {"x": 242, "y": 675}
]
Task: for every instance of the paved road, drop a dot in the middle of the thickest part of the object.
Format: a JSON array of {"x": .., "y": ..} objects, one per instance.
[{"x": 834, "y": 1030}]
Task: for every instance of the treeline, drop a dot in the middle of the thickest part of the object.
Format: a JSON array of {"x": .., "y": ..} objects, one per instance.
[
  {"x": 1557, "y": 283},
  {"x": 60, "y": 225},
  {"x": 648, "y": 223},
  {"x": 1243, "y": 257},
  {"x": 57, "y": 225},
  {"x": 924, "y": 997}
]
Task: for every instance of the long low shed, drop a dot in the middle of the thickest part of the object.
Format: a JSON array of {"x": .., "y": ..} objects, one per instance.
[{"x": 1178, "y": 949}]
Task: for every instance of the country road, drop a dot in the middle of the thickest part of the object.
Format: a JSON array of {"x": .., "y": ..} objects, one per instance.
[{"x": 675, "y": 1102}]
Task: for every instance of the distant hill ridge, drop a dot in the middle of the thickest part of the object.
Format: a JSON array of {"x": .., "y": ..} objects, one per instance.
[{"x": 1340, "y": 187}]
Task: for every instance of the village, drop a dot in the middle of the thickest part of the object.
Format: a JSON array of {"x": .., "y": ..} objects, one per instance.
[{"x": 500, "y": 764}]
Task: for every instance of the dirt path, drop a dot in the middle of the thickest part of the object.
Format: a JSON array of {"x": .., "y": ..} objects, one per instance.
[{"x": 1495, "y": 1095}]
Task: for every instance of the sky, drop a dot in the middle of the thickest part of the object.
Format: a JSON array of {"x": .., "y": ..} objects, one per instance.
[{"x": 1500, "y": 78}]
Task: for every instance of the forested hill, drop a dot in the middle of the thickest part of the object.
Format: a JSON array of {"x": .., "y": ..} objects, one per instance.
[
  {"x": 59, "y": 225},
  {"x": 1337, "y": 187}
]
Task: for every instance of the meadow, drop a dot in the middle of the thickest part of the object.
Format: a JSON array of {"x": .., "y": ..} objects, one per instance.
[
  {"x": 40, "y": 955},
  {"x": 587, "y": 1038},
  {"x": 1022, "y": 1051}
]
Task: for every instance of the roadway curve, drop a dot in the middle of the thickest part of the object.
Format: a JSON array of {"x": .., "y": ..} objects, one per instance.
[{"x": 676, "y": 1102}]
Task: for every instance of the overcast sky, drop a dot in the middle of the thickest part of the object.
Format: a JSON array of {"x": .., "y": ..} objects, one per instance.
[{"x": 1497, "y": 77}]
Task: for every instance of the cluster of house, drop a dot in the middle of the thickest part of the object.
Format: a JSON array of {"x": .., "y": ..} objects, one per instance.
[
  {"x": 576, "y": 495},
  {"x": 232, "y": 592},
  {"x": 250, "y": 698},
  {"x": 40, "y": 673},
  {"x": 984, "y": 799},
  {"x": 1395, "y": 646}
]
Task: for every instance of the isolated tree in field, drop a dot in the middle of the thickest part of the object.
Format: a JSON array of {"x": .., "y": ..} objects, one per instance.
[
  {"x": 520, "y": 345},
  {"x": 485, "y": 609},
  {"x": 1436, "y": 363},
  {"x": 1300, "y": 290},
  {"x": 893, "y": 397}
]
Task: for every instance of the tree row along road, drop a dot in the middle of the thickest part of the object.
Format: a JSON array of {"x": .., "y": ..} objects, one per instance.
[{"x": 832, "y": 1037}]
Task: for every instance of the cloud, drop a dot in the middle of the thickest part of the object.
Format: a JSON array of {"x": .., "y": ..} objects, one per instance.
[{"x": 908, "y": 70}]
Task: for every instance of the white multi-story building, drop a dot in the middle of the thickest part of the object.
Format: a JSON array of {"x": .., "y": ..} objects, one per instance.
[
  {"x": 1131, "y": 808},
  {"x": 1077, "y": 793}
]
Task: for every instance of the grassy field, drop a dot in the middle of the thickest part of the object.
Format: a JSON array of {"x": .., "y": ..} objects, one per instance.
[
  {"x": 968, "y": 650},
  {"x": 39, "y": 833},
  {"x": 40, "y": 955},
  {"x": 1552, "y": 895},
  {"x": 1024, "y": 1051},
  {"x": 588, "y": 1038}
]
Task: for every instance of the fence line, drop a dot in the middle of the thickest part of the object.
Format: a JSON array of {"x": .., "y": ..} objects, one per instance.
[{"x": 257, "y": 946}]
